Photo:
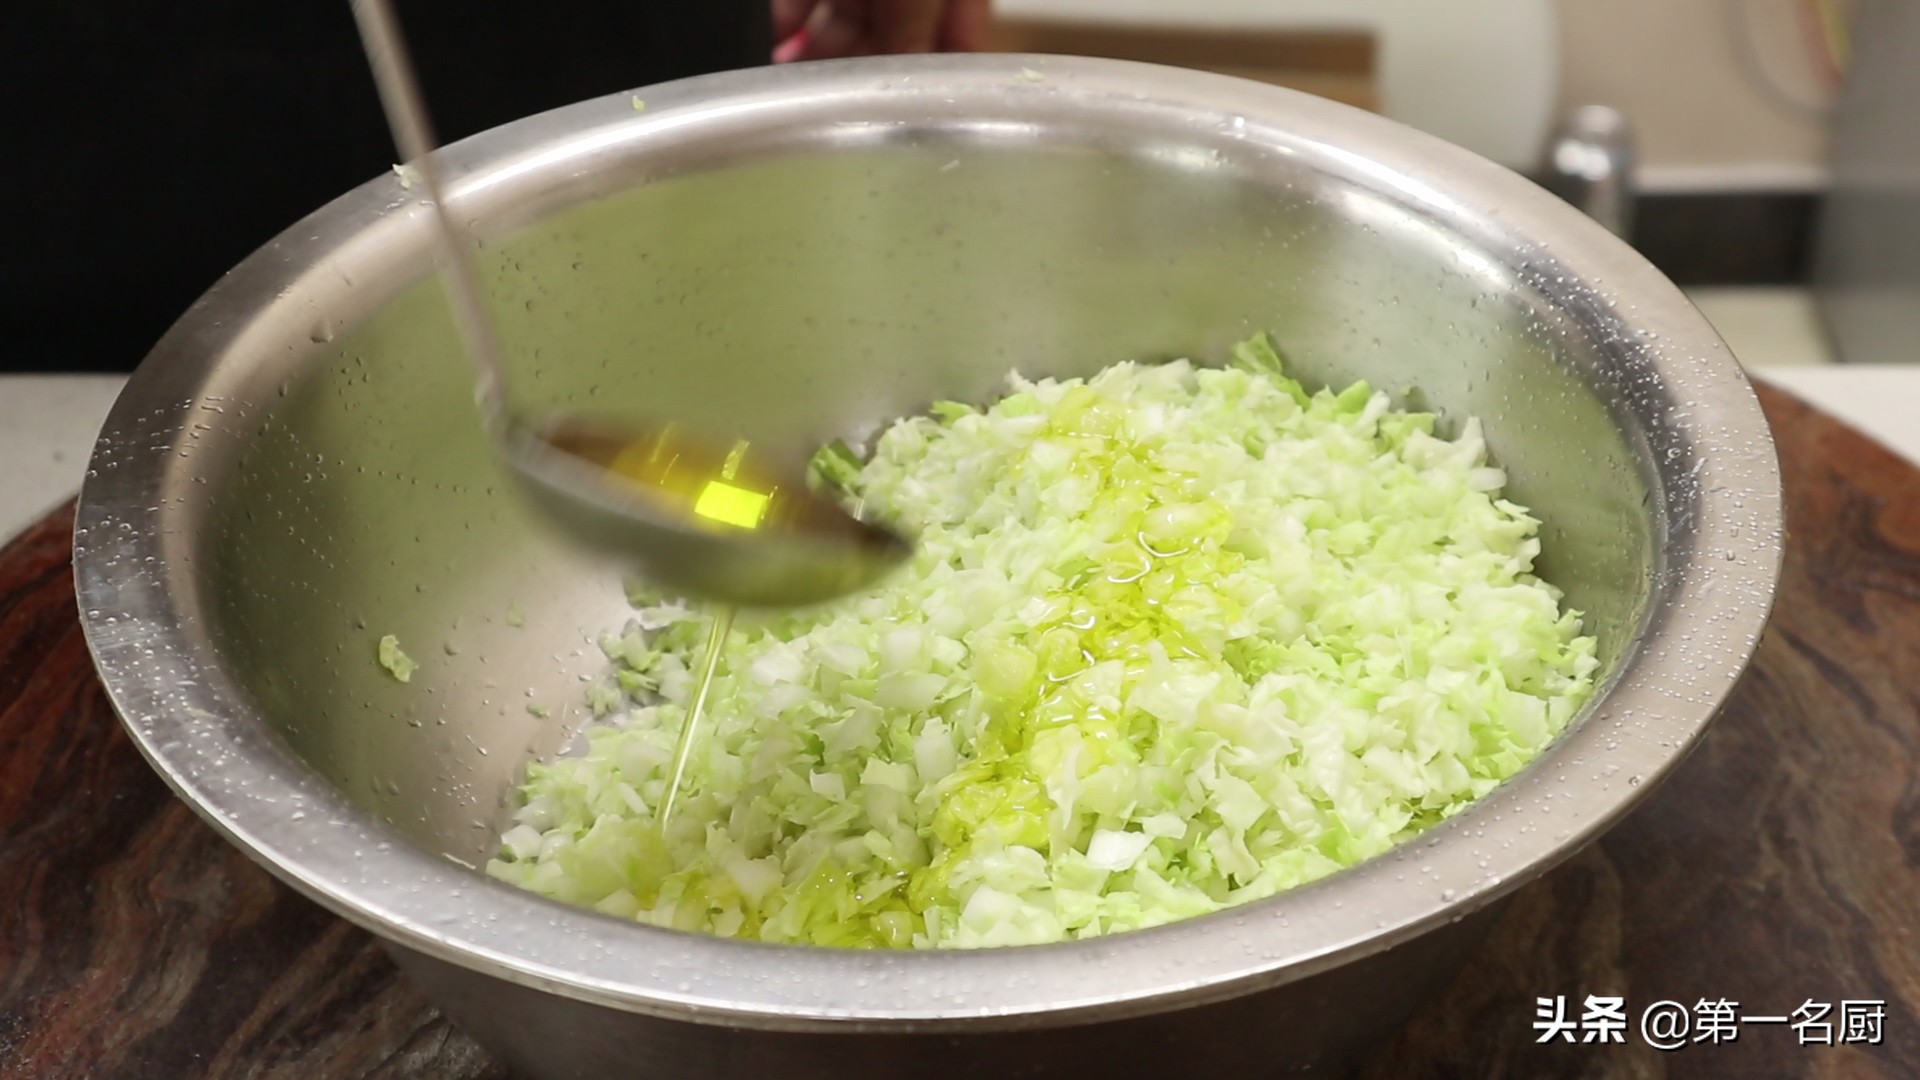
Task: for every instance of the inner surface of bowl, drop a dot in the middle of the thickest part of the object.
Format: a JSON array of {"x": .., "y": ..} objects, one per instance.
[
  {"x": 809, "y": 254},
  {"x": 798, "y": 285}
]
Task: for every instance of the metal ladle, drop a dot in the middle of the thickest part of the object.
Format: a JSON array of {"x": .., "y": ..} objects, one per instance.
[{"x": 709, "y": 518}]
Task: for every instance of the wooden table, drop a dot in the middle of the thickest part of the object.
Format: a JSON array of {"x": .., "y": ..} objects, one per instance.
[{"x": 1781, "y": 864}]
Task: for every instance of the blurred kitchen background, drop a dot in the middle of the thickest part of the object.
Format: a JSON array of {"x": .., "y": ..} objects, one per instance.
[
  {"x": 1764, "y": 153},
  {"x": 1769, "y": 144}
]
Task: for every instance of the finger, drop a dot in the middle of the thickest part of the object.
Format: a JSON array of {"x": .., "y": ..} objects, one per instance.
[
  {"x": 906, "y": 26},
  {"x": 790, "y": 17},
  {"x": 840, "y": 29},
  {"x": 794, "y": 48},
  {"x": 964, "y": 25}
]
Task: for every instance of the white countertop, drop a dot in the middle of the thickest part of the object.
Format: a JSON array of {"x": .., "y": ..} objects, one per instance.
[
  {"x": 47, "y": 425},
  {"x": 47, "y": 422}
]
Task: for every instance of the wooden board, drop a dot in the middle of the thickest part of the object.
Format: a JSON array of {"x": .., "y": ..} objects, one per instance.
[{"x": 1781, "y": 864}]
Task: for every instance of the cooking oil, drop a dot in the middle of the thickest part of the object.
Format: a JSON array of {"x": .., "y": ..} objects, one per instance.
[
  {"x": 683, "y": 476},
  {"x": 689, "y": 730},
  {"x": 715, "y": 486}
]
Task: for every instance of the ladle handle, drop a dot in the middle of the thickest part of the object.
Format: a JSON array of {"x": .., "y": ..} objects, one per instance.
[{"x": 413, "y": 136}]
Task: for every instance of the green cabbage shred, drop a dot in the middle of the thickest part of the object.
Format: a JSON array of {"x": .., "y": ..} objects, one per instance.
[
  {"x": 398, "y": 664},
  {"x": 1174, "y": 638}
]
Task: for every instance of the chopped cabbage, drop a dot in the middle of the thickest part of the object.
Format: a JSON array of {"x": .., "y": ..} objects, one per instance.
[
  {"x": 1174, "y": 638},
  {"x": 398, "y": 664}
]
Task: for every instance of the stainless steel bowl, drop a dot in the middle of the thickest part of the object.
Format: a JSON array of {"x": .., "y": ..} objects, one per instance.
[{"x": 297, "y": 470}]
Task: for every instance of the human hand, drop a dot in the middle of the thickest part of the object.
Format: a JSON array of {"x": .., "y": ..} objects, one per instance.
[{"x": 821, "y": 29}]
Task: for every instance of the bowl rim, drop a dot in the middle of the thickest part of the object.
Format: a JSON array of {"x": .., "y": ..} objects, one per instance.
[{"x": 141, "y": 609}]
